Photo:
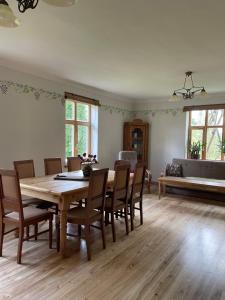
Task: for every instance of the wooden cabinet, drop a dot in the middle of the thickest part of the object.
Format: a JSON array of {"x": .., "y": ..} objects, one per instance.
[{"x": 136, "y": 138}]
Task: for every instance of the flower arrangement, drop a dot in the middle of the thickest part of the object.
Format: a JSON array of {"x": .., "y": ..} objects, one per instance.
[{"x": 86, "y": 163}]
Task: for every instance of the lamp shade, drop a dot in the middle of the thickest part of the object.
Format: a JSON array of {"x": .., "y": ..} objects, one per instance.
[
  {"x": 60, "y": 2},
  {"x": 7, "y": 17},
  {"x": 174, "y": 98}
]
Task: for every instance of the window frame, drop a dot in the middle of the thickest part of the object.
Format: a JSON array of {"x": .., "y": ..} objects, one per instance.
[
  {"x": 76, "y": 123},
  {"x": 205, "y": 128}
]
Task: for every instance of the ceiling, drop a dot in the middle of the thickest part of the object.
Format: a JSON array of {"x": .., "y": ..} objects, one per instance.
[{"x": 135, "y": 48}]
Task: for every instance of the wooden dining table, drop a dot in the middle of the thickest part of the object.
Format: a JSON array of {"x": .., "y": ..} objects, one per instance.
[{"x": 61, "y": 192}]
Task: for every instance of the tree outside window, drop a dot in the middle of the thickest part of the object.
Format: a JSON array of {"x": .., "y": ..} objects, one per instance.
[
  {"x": 77, "y": 128},
  {"x": 207, "y": 128}
]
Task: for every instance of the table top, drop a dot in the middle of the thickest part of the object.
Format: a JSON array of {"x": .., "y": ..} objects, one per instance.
[{"x": 47, "y": 184}]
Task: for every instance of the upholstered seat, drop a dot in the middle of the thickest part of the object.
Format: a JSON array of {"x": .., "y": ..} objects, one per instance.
[
  {"x": 80, "y": 214},
  {"x": 117, "y": 204},
  {"x": 30, "y": 214}
]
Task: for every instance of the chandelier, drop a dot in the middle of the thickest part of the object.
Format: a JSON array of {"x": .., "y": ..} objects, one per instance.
[
  {"x": 188, "y": 90},
  {"x": 7, "y": 17}
]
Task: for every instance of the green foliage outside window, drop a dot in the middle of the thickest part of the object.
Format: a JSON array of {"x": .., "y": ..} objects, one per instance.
[{"x": 72, "y": 130}]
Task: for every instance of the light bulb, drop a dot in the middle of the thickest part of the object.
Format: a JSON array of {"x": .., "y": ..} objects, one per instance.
[
  {"x": 174, "y": 98},
  {"x": 203, "y": 92}
]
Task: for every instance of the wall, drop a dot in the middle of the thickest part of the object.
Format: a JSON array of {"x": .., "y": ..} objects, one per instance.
[
  {"x": 168, "y": 134},
  {"x": 32, "y": 121}
]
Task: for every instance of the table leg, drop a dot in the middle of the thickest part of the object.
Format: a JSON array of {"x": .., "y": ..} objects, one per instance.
[
  {"x": 164, "y": 190},
  {"x": 63, "y": 226},
  {"x": 159, "y": 190}
]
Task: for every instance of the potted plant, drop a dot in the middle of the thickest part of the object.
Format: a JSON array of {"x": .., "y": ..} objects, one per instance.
[
  {"x": 222, "y": 148},
  {"x": 86, "y": 163},
  {"x": 194, "y": 149}
]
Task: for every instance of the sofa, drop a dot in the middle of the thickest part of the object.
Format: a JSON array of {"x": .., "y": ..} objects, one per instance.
[{"x": 203, "y": 169}]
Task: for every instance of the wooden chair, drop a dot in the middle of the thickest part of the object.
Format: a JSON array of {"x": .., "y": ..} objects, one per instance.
[
  {"x": 73, "y": 164},
  {"x": 25, "y": 169},
  {"x": 131, "y": 156},
  {"x": 137, "y": 192},
  {"x": 118, "y": 200},
  {"x": 53, "y": 166},
  {"x": 94, "y": 209},
  {"x": 20, "y": 217}
]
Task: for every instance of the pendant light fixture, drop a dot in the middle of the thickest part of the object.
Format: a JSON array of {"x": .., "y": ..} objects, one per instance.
[
  {"x": 188, "y": 91},
  {"x": 8, "y": 19}
]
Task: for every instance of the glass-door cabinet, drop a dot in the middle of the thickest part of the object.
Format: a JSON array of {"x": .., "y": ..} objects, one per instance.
[{"x": 136, "y": 138}]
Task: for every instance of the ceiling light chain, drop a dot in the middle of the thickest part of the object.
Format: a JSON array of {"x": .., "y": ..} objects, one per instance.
[{"x": 188, "y": 92}]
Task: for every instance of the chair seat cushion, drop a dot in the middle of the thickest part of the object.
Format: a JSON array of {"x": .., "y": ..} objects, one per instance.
[
  {"x": 30, "y": 214},
  {"x": 81, "y": 215},
  {"x": 117, "y": 204},
  {"x": 32, "y": 201}
]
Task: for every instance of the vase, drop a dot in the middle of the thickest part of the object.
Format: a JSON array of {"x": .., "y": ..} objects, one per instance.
[
  {"x": 86, "y": 169},
  {"x": 195, "y": 155}
]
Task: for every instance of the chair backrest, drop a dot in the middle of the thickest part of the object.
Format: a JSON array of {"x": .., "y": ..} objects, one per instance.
[
  {"x": 10, "y": 195},
  {"x": 138, "y": 181},
  {"x": 97, "y": 189},
  {"x": 121, "y": 162},
  {"x": 121, "y": 182},
  {"x": 24, "y": 168},
  {"x": 73, "y": 163},
  {"x": 130, "y": 156},
  {"x": 53, "y": 166}
]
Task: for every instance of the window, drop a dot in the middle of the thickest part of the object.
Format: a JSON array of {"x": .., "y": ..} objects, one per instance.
[
  {"x": 208, "y": 127},
  {"x": 77, "y": 127}
]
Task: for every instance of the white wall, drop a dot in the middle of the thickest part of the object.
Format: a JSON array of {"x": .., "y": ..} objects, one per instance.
[
  {"x": 34, "y": 129},
  {"x": 168, "y": 134}
]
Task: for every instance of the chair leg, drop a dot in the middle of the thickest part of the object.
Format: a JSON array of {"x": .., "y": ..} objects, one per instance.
[
  {"x": 56, "y": 209},
  {"x": 16, "y": 233},
  {"x": 2, "y": 230},
  {"x": 113, "y": 226},
  {"x": 79, "y": 230},
  {"x": 27, "y": 231},
  {"x": 103, "y": 233},
  {"x": 57, "y": 235},
  {"x": 35, "y": 231},
  {"x": 141, "y": 212},
  {"x": 132, "y": 216},
  {"x": 88, "y": 242},
  {"x": 20, "y": 244},
  {"x": 50, "y": 233},
  {"x": 126, "y": 220},
  {"x": 106, "y": 218}
]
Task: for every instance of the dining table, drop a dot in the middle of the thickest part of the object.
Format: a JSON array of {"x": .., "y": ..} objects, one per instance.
[{"x": 69, "y": 189}]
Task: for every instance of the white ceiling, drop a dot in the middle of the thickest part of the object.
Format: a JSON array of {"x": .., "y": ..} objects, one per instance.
[{"x": 135, "y": 48}]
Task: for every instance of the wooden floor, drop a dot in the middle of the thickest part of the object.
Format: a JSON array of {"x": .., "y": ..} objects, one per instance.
[{"x": 179, "y": 253}]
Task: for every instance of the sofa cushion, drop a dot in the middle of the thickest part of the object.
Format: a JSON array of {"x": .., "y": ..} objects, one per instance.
[
  {"x": 202, "y": 168},
  {"x": 174, "y": 170}
]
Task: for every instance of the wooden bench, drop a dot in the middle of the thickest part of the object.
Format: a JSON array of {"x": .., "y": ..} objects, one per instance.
[{"x": 193, "y": 183}]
